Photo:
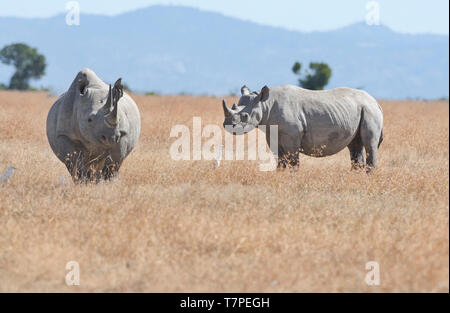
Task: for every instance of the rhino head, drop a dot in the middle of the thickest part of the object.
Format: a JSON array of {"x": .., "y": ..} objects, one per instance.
[
  {"x": 247, "y": 114},
  {"x": 97, "y": 113}
]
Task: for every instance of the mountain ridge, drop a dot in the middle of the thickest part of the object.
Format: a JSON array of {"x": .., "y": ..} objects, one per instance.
[{"x": 173, "y": 49}]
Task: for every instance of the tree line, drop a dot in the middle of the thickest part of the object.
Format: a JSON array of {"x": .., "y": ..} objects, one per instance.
[{"x": 30, "y": 64}]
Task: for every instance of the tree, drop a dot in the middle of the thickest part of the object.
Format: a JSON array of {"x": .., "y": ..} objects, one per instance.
[
  {"x": 316, "y": 77},
  {"x": 28, "y": 62}
]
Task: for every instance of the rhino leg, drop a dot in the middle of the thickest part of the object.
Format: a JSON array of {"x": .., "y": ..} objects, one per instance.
[
  {"x": 289, "y": 149},
  {"x": 278, "y": 150},
  {"x": 73, "y": 156},
  {"x": 289, "y": 159},
  {"x": 371, "y": 155},
  {"x": 114, "y": 161},
  {"x": 356, "y": 148},
  {"x": 370, "y": 139},
  {"x": 110, "y": 169},
  {"x": 282, "y": 160}
]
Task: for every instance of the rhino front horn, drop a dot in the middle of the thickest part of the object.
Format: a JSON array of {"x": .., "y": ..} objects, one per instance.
[
  {"x": 114, "y": 112},
  {"x": 108, "y": 104},
  {"x": 111, "y": 116},
  {"x": 226, "y": 110}
]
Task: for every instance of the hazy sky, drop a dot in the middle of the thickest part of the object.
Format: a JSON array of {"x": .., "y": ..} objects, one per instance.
[{"x": 411, "y": 16}]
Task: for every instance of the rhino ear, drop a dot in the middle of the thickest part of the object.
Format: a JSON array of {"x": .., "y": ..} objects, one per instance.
[
  {"x": 264, "y": 94},
  {"x": 118, "y": 83},
  {"x": 82, "y": 83},
  {"x": 245, "y": 90}
]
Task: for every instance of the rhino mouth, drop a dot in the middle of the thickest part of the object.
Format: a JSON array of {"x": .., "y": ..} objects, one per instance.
[{"x": 239, "y": 129}]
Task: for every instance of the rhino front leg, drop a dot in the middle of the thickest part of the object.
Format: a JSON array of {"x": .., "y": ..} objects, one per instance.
[
  {"x": 289, "y": 159},
  {"x": 289, "y": 151},
  {"x": 73, "y": 156},
  {"x": 282, "y": 161},
  {"x": 114, "y": 160},
  {"x": 276, "y": 149},
  {"x": 110, "y": 169}
]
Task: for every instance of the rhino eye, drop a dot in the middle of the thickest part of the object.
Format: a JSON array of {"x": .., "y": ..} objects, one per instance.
[{"x": 89, "y": 120}]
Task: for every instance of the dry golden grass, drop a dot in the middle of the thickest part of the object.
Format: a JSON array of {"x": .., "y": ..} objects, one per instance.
[{"x": 184, "y": 227}]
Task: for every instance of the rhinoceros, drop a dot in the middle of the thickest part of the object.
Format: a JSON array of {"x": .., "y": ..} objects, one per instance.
[
  {"x": 315, "y": 123},
  {"x": 92, "y": 127}
]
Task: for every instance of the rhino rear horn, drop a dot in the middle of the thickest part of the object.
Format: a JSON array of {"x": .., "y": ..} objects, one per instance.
[{"x": 226, "y": 110}]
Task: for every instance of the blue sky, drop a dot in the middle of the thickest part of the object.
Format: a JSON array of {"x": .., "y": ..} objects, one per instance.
[{"x": 408, "y": 16}]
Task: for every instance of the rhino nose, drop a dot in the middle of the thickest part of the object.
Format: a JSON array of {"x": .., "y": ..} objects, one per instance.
[
  {"x": 110, "y": 140},
  {"x": 113, "y": 139}
]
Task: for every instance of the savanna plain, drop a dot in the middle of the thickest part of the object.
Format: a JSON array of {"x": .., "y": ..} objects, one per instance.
[{"x": 188, "y": 226}]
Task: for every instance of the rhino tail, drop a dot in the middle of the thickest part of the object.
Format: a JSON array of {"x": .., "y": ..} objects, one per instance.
[{"x": 381, "y": 138}]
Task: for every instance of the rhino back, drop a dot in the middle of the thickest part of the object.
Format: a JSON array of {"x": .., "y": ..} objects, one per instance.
[{"x": 327, "y": 120}]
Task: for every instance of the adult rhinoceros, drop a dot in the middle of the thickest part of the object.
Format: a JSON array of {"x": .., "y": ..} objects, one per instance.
[
  {"x": 92, "y": 127},
  {"x": 315, "y": 123}
]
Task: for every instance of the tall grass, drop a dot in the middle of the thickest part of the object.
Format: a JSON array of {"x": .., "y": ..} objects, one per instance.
[{"x": 184, "y": 227}]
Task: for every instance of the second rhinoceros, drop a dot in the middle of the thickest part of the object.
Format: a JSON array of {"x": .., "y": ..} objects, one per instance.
[
  {"x": 315, "y": 123},
  {"x": 93, "y": 127}
]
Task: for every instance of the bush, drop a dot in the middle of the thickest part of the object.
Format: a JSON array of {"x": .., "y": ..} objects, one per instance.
[{"x": 317, "y": 76}]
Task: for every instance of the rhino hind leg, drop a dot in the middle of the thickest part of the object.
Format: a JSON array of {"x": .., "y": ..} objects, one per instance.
[
  {"x": 370, "y": 139},
  {"x": 371, "y": 155},
  {"x": 356, "y": 148}
]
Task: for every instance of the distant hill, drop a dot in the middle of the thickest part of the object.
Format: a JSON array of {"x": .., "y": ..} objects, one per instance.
[{"x": 172, "y": 49}]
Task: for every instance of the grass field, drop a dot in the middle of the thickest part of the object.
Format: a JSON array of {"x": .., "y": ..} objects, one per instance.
[{"x": 182, "y": 226}]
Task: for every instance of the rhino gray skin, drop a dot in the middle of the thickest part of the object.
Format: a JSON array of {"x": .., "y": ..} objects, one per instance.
[
  {"x": 315, "y": 123},
  {"x": 93, "y": 127}
]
